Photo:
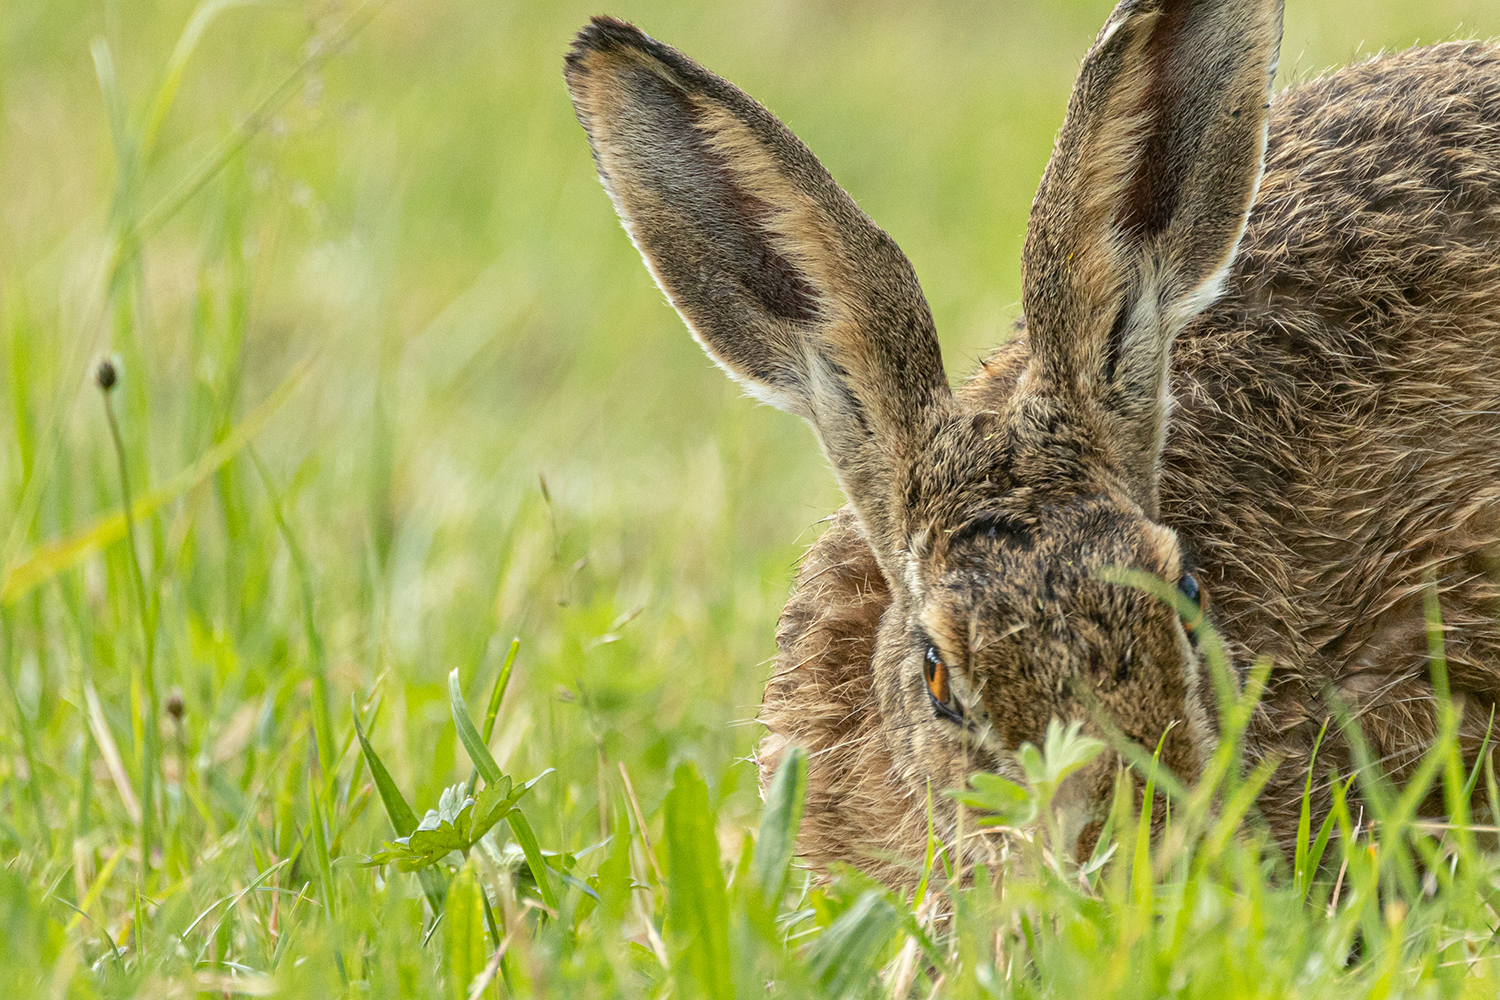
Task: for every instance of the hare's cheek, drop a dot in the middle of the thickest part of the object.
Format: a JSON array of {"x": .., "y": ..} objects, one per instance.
[{"x": 1200, "y": 709}]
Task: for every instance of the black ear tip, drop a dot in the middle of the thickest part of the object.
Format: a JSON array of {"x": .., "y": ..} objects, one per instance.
[{"x": 604, "y": 33}]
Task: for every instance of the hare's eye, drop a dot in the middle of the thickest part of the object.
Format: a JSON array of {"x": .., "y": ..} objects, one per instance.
[
  {"x": 1188, "y": 587},
  {"x": 938, "y": 689}
]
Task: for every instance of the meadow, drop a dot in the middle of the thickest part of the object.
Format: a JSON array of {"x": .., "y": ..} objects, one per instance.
[{"x": 407, "y": 478}]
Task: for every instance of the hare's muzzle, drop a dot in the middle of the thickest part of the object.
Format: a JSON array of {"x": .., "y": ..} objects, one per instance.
[{"x": 1082, "y": 804}]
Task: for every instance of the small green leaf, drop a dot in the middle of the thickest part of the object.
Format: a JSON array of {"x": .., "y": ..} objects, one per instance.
[
  {"x": 1067, "y": 750},
  {"x": 445, "y": 837},
  {"x": 456, "y": 824},
  {"x": 496, "y": 799},
  {"x": 1032, "y": 764},
  {"x": 495, "y": 802},
  {"x": 999, "y": 801},
  {"x": 441, "y": 831}
]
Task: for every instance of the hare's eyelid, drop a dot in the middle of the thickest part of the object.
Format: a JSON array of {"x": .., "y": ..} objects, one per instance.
[
  {"x": 939, "y": 629},
  {"x": 932, "y": 647},
  {"x": 1187, "y": 563}
]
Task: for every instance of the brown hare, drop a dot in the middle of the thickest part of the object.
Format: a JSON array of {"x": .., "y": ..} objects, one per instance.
[{"x": 1260, "y": 360}]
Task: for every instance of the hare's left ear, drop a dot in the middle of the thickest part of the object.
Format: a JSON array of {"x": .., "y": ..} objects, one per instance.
[
  {"x": 779, "y": 275},
  {"x": 1144, "y": 201}
]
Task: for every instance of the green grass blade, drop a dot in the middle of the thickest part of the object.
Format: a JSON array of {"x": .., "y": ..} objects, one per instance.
[
  {"x": 232, "y": 900},
  {"x": 318, "y": 657},
  {"x": 533, "y": 851},
  {"x": 697, "y": 901},
  {"x": 779, "y": 821},
  {"x": 403, "y": 819},
  {"x": 202, "y": 17},
  {"x": 28, "y": 738},
  {"x": 1235, "y": 809},
  {"x": 320, "y": 850},
  {"x": 847, "y": 956},
  {"x": 114, "y": 100},
  {"x": 228, "y": 147},
  {"x": 1320, "y": 845},
  {"x": 463, "y": 928},
  {"x": 1484, "y": 749},
  {"x": 497, "y": 695},
  {"x": 1301, "y": 873},
  {"x": 468, "y": 735}
]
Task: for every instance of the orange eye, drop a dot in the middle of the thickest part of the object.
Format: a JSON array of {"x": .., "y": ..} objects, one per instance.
[
  {"x": 938, "y": 689},
  {"x": 937, "y": 676}
]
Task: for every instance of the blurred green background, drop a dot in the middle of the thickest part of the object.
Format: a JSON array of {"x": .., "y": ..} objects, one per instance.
[{"x": 504, "y": 429}]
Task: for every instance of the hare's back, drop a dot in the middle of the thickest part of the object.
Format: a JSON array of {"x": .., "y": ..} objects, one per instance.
[{"x": 1337, "y": 411}]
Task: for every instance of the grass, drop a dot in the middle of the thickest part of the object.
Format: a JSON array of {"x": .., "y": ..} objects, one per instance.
[{"x": 393, "y": 389}]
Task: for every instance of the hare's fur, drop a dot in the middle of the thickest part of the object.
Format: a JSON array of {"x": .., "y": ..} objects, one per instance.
[{"x": 1325, "y": 452}]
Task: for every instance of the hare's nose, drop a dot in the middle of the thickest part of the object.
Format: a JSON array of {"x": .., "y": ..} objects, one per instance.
[
  {"x": 1079, "y": 821},
  {"x": 1080, "y": 805},
  {"x": 1087, "y": 842}
]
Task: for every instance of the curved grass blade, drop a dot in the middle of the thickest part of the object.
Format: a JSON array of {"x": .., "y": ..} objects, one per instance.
[
  {"x": 497, "y": 695},
  {"x": 403, "y": 820},
  {"x": 534, "y": 860},
  {"x": 202, "y": 17},
  {"x": 469, "y": 736},
  {"x": 152, "y": 220}
]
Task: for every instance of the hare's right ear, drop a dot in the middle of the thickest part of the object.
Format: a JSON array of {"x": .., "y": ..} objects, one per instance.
[
  {"x": 1143, "y": 204},
  {"x": 781, "y": 278}
]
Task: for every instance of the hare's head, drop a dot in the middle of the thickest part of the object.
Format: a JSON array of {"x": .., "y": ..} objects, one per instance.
[{"x": 1006, "y": 517}]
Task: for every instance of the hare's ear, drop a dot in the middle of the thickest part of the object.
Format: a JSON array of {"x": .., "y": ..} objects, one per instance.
[
  {"x": 1140, "y": 210},
  {"x": 781, "y": 278}
]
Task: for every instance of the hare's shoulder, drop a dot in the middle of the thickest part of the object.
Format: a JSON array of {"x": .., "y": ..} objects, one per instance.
[
  {"x": 1348, "y": 378},
  {"x": 1382, "y": 179}
]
